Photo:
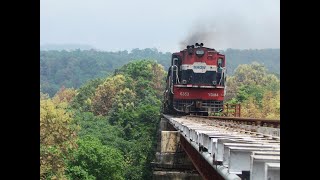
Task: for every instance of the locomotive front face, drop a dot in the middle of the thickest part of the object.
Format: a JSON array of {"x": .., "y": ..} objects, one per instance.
[
  {"x": 200, "y": 66},
  {"x": 196, "y": 80}
]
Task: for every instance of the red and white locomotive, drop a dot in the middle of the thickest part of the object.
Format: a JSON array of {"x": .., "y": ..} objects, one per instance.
[{"x": 195, "y": 82}]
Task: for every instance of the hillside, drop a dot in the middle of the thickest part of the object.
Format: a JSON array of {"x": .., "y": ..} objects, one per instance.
[
  {"x": 74, "y": 68},
  {"x": 106, "y": 129}
]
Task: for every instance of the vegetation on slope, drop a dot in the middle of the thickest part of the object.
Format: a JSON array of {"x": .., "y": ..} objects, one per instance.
[
  {"x": 256, "y": 90},
  {"x": 106, "y": 129},
  {"x": 118, "y": 116},
  {"x": 76, "y": 67}
]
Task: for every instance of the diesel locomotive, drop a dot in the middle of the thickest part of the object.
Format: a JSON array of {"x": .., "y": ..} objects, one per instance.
[{"x": 195, "y": 82}]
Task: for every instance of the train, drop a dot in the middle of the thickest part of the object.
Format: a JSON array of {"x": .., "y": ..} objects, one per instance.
[{"x": 195, "y": 82}]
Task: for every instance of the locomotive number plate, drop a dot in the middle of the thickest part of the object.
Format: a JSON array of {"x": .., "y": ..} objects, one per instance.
[
  {"x": 213, "y": 94},
  {"x": 184, "y": 93}
]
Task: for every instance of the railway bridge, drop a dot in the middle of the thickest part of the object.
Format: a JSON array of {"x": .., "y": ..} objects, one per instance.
[{"x": 193, "y": 147}]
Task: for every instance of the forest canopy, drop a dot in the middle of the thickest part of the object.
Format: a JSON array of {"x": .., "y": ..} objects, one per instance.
[
  {"x": 106, "y": 127},
  {"x": 73, "y": 68}
]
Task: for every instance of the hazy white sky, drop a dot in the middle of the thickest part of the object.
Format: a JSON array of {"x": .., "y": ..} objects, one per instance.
[{"x": 113, "y": 25}]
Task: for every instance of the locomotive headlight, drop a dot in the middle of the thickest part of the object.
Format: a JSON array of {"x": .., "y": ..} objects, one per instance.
[
  {"x": 199, "y": 53},
  {"x": 214, "y": 83},
  {"x": 184, "y": 81}
]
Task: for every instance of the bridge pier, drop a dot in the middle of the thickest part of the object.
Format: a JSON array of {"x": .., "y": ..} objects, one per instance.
[{"x": 171, "y": 162}]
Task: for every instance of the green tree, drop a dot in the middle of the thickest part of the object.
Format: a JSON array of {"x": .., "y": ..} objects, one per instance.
[
  {"x": 82, "y": 100},
  {"x": 246, "y": 91},
  {"x": 93, "y": 160}
]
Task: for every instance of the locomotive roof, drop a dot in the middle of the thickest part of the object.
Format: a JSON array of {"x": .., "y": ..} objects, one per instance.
[{"x": 199, "y": 48}]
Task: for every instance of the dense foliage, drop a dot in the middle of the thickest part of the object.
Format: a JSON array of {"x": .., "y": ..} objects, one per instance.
[
  {"x": 57, "y": 138},
  {"x": 74, "y": 68},
  {"x": 118, "y": 116},
  {"x": 93, "y": 160},
  {"x": 256, "y": 90},
  {"x": 106, "y": 129}
]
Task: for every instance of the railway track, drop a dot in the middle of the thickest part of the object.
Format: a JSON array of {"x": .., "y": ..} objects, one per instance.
[
  {"x": 237, "y": 148},
  {"x": 253, "y": 121},
  {"x": 264, "y": 127}
]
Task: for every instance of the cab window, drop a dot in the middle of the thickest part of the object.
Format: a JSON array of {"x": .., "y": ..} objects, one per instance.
[{"x": 220, "y": 62}]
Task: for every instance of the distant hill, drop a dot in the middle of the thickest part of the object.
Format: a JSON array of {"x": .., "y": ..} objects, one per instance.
[
  {"x": 74, "y": 67},
  {"x": 67, "y": 47},
  {"x": 270, "y": 58}
]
